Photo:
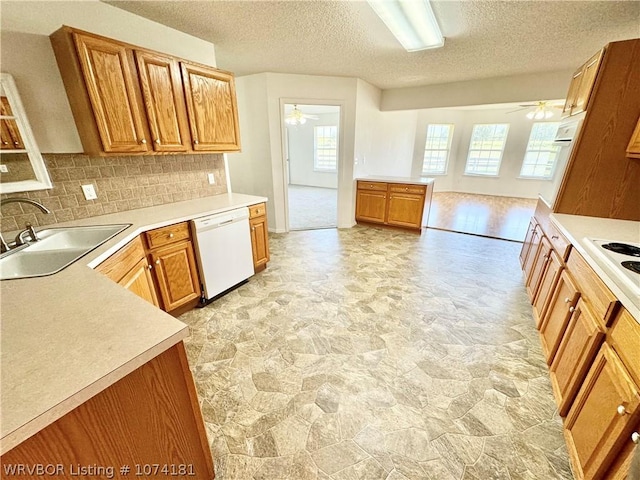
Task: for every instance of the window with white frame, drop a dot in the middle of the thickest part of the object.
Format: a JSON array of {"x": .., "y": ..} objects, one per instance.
[
  {"x": 486, "y": 148},
  {"x": 436, "y": 149},
  {"x": 325, "y": 148},
  {"x": 540, "y": 157}
]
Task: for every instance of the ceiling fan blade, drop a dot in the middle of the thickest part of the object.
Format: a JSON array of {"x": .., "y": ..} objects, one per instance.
[{"x": 520, "y": 109}]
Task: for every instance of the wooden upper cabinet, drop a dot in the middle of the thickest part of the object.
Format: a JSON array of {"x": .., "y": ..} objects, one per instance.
[
  {"x": 163, "y": 96},
  {"x": 11, "y": 138},
  {"x": 212, "y": 108},
  {"x": 111, "y": 87},
  {"x": 581, "y": 86}
]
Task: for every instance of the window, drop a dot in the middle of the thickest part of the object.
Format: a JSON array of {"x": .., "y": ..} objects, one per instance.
[
  {"x": 485, "y": 149},
  {"x": 436, "y": 149},
  {"x": 325, "y": 148},
  {"x": 540, "y": 157}
]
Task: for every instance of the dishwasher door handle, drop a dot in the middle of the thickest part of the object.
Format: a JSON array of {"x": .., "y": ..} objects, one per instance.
[{"x": 226, "y": 222}]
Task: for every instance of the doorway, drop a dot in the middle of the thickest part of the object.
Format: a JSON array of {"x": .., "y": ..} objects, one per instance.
[{"x": 311, "y": 159}]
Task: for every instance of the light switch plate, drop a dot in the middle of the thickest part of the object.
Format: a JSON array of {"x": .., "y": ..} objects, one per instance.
[
  {"x": 89, "y": 192},
  {"x": 212, "y": 178},
  {"x": 4, "y": 169}
]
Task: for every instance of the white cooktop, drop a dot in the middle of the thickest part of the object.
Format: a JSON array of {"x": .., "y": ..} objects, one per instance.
[{"x": 613, "y": 261}]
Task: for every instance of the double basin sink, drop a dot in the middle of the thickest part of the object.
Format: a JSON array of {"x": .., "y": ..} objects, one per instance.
[{"x": 56, "y": 249}]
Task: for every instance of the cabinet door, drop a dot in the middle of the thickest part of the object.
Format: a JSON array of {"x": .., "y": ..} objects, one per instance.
[
  {"x": 554, "y": 323},
  {"x": 164, "y": 101},
  {"x": 405, "y": 210},
  {"x": 259, "y": 242},
  {"x": 371, "y": 206},
  {"x": 536, "y": 237},
  {"x": 602, "y": 416},
  {"x": 111, "y": 85},
  {"x": 526, "y": 245},
  {"x": 140, "y": 282},
  {"x": 11, "y": 138},
  {"x": 633, "y": 149},
  {"x": 572, "y": 94},
  {"x": 212, "y": 109},
  {"x": 547, "y": 284},
  {"x": 176, "y": 274},
  {"x": 590, "y": 72},
  {"x": 543, "y": 255},
  {"x": 580, "y": 343}
]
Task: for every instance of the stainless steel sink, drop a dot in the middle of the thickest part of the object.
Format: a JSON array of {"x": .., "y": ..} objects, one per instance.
[{"x": 56, "y": 249}]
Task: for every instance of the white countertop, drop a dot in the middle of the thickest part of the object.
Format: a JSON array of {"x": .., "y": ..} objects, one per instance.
[
  {"x": 578, "y": 229},
  {"x": 412, "y": 180},
  {"x": 68, "y": 336}
]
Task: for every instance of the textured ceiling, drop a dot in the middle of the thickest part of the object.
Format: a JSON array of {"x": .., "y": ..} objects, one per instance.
[{"x": 484, "y": 39}]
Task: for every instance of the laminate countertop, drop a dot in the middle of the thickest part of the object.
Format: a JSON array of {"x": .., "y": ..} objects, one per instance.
[
  {"x": 579, "y": 229},
  {"x": 411, "y": 180},
  {"x": 68, "y": 336}
]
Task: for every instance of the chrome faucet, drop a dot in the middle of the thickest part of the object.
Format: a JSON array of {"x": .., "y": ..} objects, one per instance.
[{"x": 29, "y": 230}]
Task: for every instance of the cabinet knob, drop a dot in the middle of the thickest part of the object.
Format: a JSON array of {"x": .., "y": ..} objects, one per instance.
[
  {"x": 635, "y": 437},
  {"x": 158, "y": 262},
  {"x": 171, "y": 235},
  {"x": 253, "y": 229},
  {"x": 572, "y": 309},
  {"x": 5, "y": 143},
  {"x": 195, "y": 142},
  {"x": 406, "y": 189},
  {"x": 150, "y": 267},
  {"x": 370, "y": 186},
  {"x": 621, "y": 410},
  {"x": 16, "y": 143},
  {"x": 158, "y": 141},
  {"x": 567, "y": 300},
  {"x": 555, "y": 237},
  {"x": 143, "y": 141}
]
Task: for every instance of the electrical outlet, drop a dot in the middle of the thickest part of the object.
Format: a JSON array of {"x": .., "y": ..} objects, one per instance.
[
  {"x": 212, "y": 178},
  {"x": 4, "y": 169},
  {"x": 89, "y": 192}
]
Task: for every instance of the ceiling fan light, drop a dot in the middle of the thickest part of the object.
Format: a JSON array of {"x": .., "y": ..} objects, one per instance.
[
  {"x": 412, "y": 22},
  {"x": 548, "y": 114},
  {"x": 530, "y": 115},
  {"x": 295, "y": 117}
]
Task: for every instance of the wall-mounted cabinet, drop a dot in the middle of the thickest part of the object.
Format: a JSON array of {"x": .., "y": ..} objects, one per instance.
[
  {"x": 581, "y": 86},
  {"x": 129, "y": 100}
]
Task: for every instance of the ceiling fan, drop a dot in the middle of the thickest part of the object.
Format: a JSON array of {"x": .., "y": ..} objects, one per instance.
[
  {"x": 540, "y": 110},
  {"x": 296, "y": 117}
]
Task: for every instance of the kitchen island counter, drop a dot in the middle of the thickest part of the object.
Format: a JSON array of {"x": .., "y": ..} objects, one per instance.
[{"x": 69, "y": 336}]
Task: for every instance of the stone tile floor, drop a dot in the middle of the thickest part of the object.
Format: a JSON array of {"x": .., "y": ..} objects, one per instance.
[{"x": 369, "y": 353}]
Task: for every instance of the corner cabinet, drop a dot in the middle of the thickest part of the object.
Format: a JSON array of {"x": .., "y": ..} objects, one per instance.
[
  {"x": 581, "y": 86},
  {"x": 392, "y": 203},
  {"x": 130, "y": 100},
  {"x": 259, "y": 236}
]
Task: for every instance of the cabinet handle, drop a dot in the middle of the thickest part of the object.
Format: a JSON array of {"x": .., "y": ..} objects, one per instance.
[
  {"x": 406, "y": 189},
  {"x": 572, "y": 309},
  {"x": 16, "y": 143},
  {"x": 150, "y": 267},
  {"x": 143, "y": 141},
  {"x": 253, "y": 229},
  {"x": 554, "y": 237},
  {"x": 195, "y": 142},
  {"x": 158, "y": 141},
  {"x": 635, "y": 437},
  {"x": 5, "y": 143},
  {"x": 158, "y": 262},
  {"x": 370, "y": 186},
  {"x": 621, "y": 410},
  {"x": 171, "y": 235},
  {"x": 567, "y": 300}
]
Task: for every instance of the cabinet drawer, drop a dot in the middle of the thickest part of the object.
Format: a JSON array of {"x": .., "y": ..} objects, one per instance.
[
  {"x": 257, "y": 210},
  {"x": 407, "y": 188},
  {"x": 120, "y": 263},
  {"x": 594, "y": 292},
  {"x": 624, "y": 337},
  {"x": 372, "y": 186},
  {"x": 560, "y": 244},
  {"x": 166, "y": 235}
]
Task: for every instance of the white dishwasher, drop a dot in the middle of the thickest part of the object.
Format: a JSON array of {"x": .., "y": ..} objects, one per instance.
[{"x": 223, "y": 249}]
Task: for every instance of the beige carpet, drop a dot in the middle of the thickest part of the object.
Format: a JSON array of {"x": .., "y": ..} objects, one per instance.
[{"x": 312, "y": 207}]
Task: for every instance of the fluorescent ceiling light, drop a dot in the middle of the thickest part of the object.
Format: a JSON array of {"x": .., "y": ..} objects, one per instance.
[{"x": 412, "y": 22}]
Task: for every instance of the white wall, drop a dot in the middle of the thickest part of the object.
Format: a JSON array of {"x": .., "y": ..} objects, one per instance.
[
  {"x": 517, "y": 88},
  {"x": 301, "y": 149},
  {"x": 27, "y": 54},
  {"x": 507, "y": 183}
]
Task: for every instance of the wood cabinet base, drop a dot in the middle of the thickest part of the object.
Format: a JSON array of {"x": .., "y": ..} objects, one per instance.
[{"x": 151, "y": 416}]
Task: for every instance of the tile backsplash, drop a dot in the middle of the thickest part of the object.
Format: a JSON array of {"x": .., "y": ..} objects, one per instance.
[{"x": 121, "y": 183}]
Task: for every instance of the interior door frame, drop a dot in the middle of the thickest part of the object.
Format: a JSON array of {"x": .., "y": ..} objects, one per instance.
[{"x": 283, "y": 138}]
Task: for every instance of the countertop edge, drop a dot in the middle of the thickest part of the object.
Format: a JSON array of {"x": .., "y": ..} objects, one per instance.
[
  {"x": 390, "y": 179},
  {"x": 619, "y": 292}
]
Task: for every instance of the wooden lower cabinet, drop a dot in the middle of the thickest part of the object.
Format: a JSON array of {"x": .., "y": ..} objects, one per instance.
[
  {"x": 580, "y": 343},
  {"x": 151, "y": 416},
  {"x": 561, "y": 306},
  {"x": 371, "y": 206},
  {"x": 259, "y": 236},
  {"x": 532, "y": 252},
  {"x": 602, "y": 417},
  {"x": 548, "y": 282},
  {"x": 129, "y": 267},
  {"x": 538, "y": 268},
  {"x": 405, "y": 210},
  {"x": 176, "y": 274},
  {"x": 528, "y": 241}
]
